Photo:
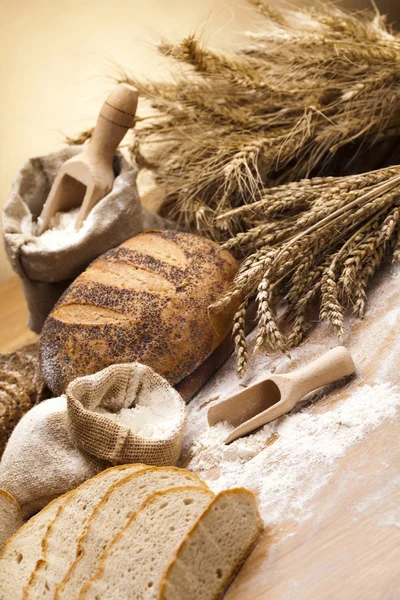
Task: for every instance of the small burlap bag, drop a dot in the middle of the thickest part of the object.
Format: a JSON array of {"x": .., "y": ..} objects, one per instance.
[
  {"x": 62, "y": 442},
  {"x": 95, "y": 400},
  {"x": 47, "y": 270}
]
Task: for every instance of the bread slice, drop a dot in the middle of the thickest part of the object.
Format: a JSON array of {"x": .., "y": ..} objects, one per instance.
[
  {"x": 111, "y": 515},
  {"x": 10, "y": 516},
  {"x": 214, "y": 550},
  {"x": 22, "y": 551},
  {"x": 8, "y": 580},
  {"x": 133, "y": 565},
  {"x": 60, "y": 542}
]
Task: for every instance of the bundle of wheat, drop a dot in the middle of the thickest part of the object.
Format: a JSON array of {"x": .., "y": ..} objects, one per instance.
[
  {"x": 311, "y": 84},
  {"x": 311, "y": 244},
  {"x": 305, "y": 96}
]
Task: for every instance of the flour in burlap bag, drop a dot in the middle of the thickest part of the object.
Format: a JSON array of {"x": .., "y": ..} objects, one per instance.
[{"x": 47, "y": 264}]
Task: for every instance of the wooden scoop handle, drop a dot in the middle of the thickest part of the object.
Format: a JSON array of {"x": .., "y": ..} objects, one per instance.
[
  {"x": 116, "y": 116},
  {"x": 329, "y": 367}
]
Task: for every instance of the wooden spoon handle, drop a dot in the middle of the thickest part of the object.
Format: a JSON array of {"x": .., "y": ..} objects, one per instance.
[
  {"x": 116, "y": 116},
  {"x": 329, "y": 367}
]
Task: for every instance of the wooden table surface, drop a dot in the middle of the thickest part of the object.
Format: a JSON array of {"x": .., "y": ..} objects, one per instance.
[
  {"x": 343, "y": 552},
  {"x": 13, "y": 316}
]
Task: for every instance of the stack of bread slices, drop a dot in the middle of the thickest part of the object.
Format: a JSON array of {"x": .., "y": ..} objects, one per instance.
[{"x": 134, "y": 532}]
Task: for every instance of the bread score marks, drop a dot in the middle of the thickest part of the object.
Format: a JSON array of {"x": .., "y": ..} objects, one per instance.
[
  {"x": 89, "y": 315},
  {"x": 133, "y": 306},
  {"x": 170, "y": 253},
  {"x": 124, "y": 276}
]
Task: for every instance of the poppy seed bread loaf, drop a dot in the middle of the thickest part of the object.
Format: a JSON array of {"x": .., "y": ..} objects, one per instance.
[{"x": 146, "y": 300}]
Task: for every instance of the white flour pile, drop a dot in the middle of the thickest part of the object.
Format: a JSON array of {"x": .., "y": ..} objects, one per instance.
[
  {"x": 303, "y": 449},
  {"x": 61, "y": 231},
  {"x": 153, "y": 418}
]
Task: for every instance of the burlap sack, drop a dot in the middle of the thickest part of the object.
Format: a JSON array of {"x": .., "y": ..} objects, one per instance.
[
  {"x": 62, "y": 442},
  {"x": 106, "y": 442},
  {"x": 45, "y": 272},
  {"x": 40, "y": 461}
]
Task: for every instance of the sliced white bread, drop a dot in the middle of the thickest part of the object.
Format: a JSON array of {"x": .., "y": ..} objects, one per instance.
[
  {"x": 134, "y": 563},
  {"x": 215, "y": 549},
  {"x": 111, "y": 514},
  {"x": 10, "y": 516},
  {"x": 22, "y": 551},
  {"x": 8, "y": 578},
  {"x": 60, "y": 541}
]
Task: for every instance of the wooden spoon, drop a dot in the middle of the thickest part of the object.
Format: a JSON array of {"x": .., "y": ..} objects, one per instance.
[
  {"x": 269, "y": 399},
  {"x": 85, "y": 179}
]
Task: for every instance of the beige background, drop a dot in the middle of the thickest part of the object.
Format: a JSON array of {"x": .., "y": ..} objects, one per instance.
[{"x": 57, "y": 56}]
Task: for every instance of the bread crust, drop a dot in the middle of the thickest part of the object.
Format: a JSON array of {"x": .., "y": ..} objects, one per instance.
[
  {"x": 111, "y": 315},
  {"x": 12, "y": 500},
  {"x": 14, "y": 521},
  {"x": 28, "y": 523},
  {"x": 241, "y": 559}
]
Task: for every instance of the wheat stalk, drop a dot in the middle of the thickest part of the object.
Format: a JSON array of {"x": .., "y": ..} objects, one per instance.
[
  {"x": 327, "y": 260},
  {"x": 314, "y": 90}
]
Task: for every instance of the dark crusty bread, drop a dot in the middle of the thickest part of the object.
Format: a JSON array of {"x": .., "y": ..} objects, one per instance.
[
  {"x": 20, "y": 388},
  {"x": 145, "y": 301}
]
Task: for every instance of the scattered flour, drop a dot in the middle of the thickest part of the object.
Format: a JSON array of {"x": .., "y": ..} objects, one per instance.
[
  {"x": 289, "y": 460},
  {"x": 61, "y": 231},
  {"x": 303, "y": 449},
  {"x": 386, "y": 498},
  {"x": 152, "y": 418}
]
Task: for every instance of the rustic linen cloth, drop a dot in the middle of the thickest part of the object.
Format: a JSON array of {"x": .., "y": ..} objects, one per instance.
[
  {"x": 63, "y": 441},
  {"x": 46, "y": 272}
]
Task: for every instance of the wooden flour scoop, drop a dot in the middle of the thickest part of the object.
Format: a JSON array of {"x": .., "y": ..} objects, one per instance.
[
  {"x": 265, "y": 401},
  {"x": 85, "y": 179}
]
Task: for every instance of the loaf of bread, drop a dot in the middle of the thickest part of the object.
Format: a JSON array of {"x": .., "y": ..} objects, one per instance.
[
  {"x": 147, "y": 301},
  {"x": 20, "y": 388}
]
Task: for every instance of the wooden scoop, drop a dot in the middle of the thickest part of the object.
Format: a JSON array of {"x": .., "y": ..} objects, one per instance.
[
  {"x": 85, "y": 179},
  {"x": 265, "y": 401}
]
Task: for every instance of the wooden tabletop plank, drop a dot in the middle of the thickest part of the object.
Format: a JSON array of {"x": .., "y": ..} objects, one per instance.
[
  {"x": 13, "y": 317},
  {"x": 350, "y": 548}
]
